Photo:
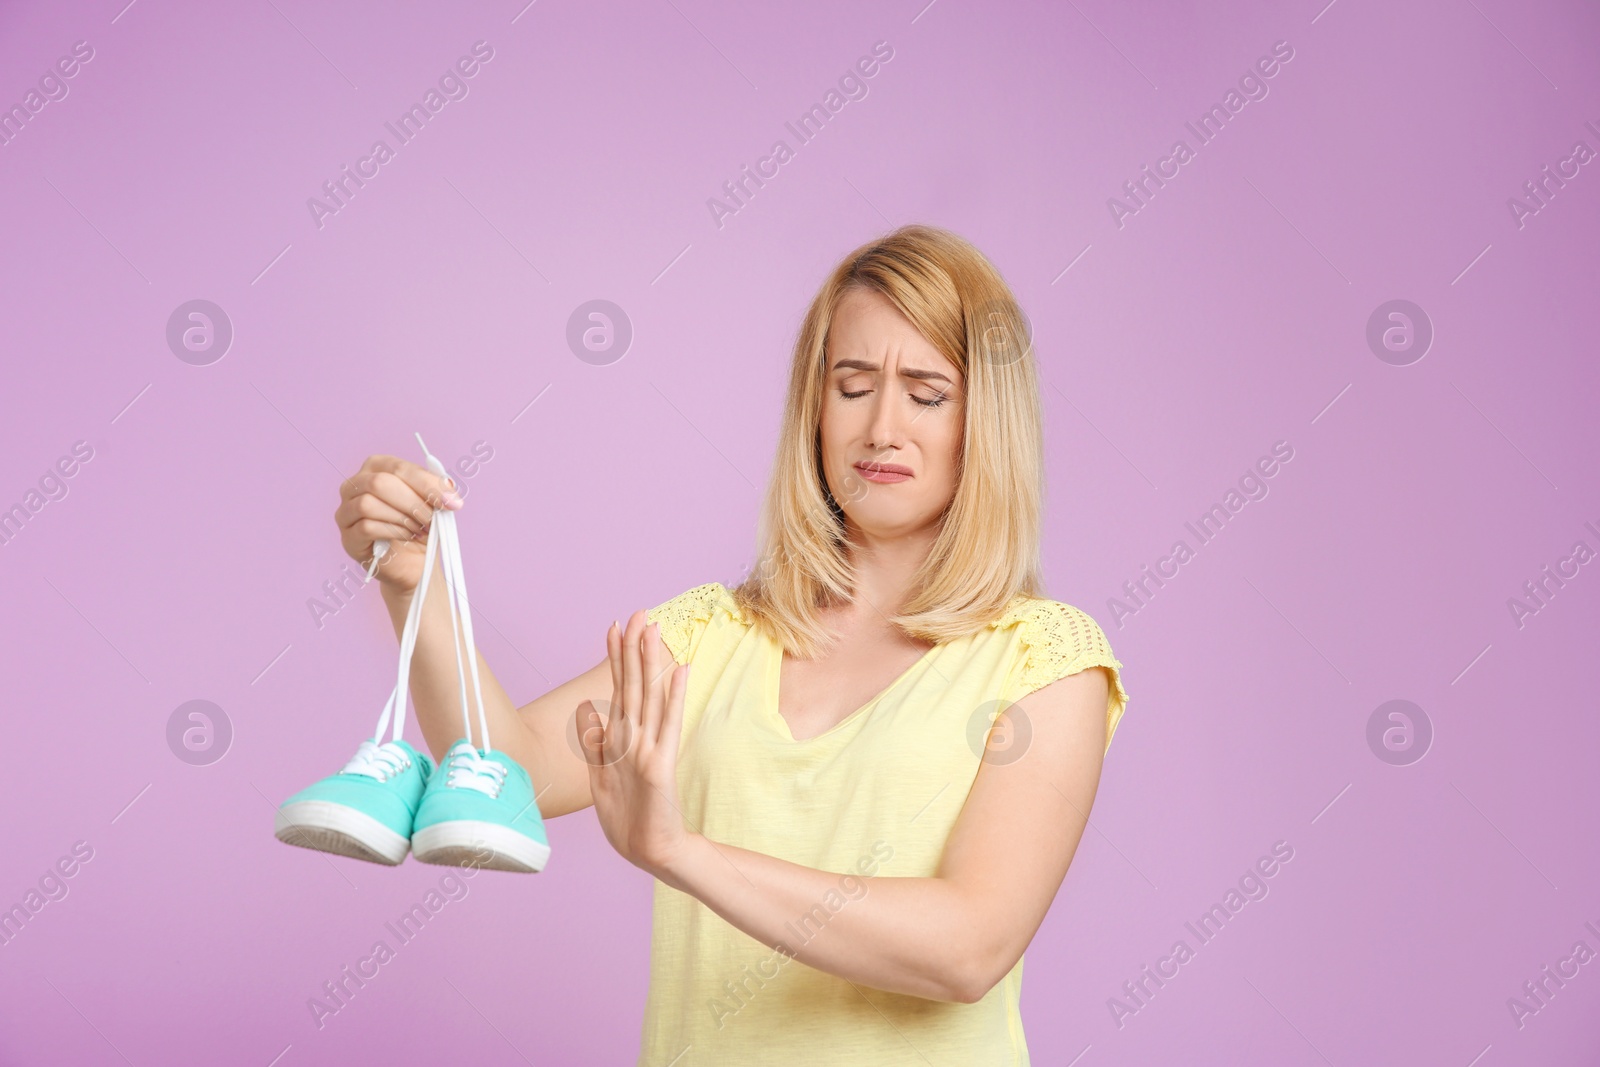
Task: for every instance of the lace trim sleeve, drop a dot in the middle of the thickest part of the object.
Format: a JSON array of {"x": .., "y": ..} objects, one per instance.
[
  {"x": 1060, "y": 640},
  {"x": 684, "y": 617}
]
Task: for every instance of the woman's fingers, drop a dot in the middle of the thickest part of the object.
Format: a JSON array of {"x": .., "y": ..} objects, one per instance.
[
  {"x": 619, "y": 732},
  {"x": 369, "y": 530},
  {"x": 633, "y": 670},
  {"x": 400, "y": 494},
  {"x": 650, "y": 669},
  {"x": 390, "y": 473},
  {"x": 591, "y": 734},
  {"x": 413, "y": 491},
  {"x": 367, "y": 506},
  {"x": 614, "y": 657},
  {"x": 672, "y": 721},
  {"x": 638, "y": 692},
  {"x": 390, "y": 499}
]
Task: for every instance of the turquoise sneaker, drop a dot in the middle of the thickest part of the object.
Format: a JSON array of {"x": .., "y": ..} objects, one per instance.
[
  {"x": 479, "y": 811},
  {"x": 366, "y": 811}
]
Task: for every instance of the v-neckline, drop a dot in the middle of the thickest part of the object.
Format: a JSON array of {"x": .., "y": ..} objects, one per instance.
[{"x": 775, "y": 654}]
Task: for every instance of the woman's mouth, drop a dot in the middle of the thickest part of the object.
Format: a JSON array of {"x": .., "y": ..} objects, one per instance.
[{"x": 884, "y": 472}]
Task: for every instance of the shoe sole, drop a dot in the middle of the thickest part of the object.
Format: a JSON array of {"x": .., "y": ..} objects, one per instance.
[
  {"x": 467, "y": 843},
  {"x": 329, "y": 827}
]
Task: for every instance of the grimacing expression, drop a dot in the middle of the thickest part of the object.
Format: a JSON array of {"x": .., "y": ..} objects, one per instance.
[{"x": 889, "y": 398}]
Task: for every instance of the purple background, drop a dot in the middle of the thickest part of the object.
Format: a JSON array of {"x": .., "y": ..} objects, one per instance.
[{"x": 1228, "y": 314}]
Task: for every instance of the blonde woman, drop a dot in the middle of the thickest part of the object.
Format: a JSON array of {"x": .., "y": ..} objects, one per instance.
[{"x": 861, "y": 801}]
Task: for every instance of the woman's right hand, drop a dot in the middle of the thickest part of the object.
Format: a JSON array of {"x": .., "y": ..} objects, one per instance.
[{"x": 391, "y": 499}]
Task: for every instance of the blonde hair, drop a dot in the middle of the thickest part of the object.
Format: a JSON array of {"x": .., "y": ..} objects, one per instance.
[{"x": 987, "y": 549}]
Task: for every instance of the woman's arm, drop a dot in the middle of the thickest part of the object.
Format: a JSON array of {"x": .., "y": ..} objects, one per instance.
[
  {"x": 393, "y": 499},
  {"x": 534, "y": 735},
  {"x": 949, "y": 937}
]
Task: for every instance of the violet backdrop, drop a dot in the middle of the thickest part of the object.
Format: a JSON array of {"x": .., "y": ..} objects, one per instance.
[{"x": 1180, "y": 336}]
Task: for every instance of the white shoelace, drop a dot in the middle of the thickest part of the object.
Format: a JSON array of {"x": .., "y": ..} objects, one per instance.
[
  {"x": 396, "y": 705},
  {"x": 469, "y": 770},
  {"x": 468, "y": 767},
  {"x": 378, "y": 761},
  {"x": 455, "y": 581}
]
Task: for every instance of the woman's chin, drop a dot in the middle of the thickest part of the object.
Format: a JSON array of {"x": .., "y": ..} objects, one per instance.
[{"x": 888, "y": 525}]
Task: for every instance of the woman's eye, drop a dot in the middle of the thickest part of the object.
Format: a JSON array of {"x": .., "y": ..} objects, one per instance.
[{"x": 937, "y": 401}]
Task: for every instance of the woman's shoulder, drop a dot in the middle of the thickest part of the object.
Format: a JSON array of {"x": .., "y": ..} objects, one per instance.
[
  {"x": 683, "y": 618},
  {"x": 702, "y": 601},
  {"x": 1029, "y": 611},
  {"x": 1057, "y": 639}
]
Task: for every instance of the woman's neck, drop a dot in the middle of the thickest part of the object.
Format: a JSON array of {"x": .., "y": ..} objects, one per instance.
[{"x": 885, "y": 568}]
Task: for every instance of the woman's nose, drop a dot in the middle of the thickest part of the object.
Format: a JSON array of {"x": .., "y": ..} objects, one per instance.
[{"x": 885, "y": 429}]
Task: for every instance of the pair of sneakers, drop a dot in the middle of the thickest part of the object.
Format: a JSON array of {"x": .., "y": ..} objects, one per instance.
[{"x": 477, "y": 808}]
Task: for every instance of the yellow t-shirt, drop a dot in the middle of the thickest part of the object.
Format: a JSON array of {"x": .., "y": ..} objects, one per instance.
[{"x": 875, "y": 795}]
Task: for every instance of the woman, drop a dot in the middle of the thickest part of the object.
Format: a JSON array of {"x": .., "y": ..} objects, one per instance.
[{"x": 855, "y": 819}]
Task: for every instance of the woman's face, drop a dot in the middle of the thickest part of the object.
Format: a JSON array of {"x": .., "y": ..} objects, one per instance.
[{"x": 890, "y": 400}]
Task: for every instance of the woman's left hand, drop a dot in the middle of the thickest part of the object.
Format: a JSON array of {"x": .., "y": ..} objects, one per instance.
[{"x": 632, "y": 752}]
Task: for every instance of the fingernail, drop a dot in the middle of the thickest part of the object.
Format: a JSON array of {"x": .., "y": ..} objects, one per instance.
[{"x": 451, "y": 500}]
